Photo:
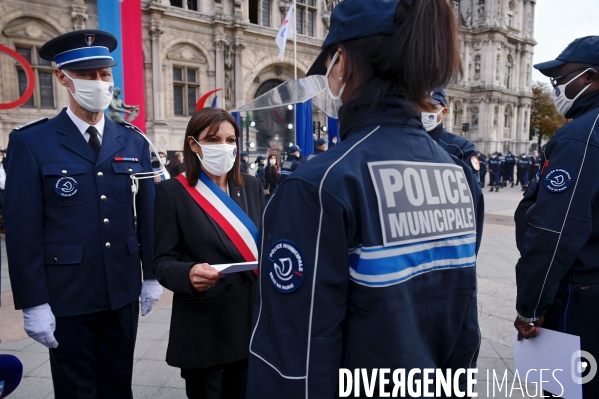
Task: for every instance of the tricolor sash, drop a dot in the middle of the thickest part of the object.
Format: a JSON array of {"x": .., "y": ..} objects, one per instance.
[{"x": 236, "y": 224}]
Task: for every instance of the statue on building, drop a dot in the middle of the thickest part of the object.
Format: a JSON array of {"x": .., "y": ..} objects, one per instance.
[
  {"x": 496, "y": 116},
  {"x": 117, "y": 108},
  {"x": 477, "y": 67},
  {"x": 481, "y": 10},
  {"x": 474, "y": 117},
  {"x": 229, "y": 89},
  {"x": 498, "y": 67}
]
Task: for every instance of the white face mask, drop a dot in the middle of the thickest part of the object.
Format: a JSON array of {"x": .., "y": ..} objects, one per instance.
[
  {"x": 429, "y": 120},
  {"x": 336, "y": 100},
  {"x": 92, "y": 95},
  {"x": 272, "y": 161},
  {"x": 218, "y": 158},
  {"x": 558, "y": 96}
]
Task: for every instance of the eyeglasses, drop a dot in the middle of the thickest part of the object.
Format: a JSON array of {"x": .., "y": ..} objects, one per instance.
[{"x": 554, "y": 80}]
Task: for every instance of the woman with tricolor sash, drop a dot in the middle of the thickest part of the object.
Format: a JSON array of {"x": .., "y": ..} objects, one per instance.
[{"x": 209, "y": 216}]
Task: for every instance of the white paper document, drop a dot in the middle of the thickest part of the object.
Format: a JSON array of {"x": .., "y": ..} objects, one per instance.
[
  {"x": 557, "y": 355},
  {"x": 227, "y": 268}
]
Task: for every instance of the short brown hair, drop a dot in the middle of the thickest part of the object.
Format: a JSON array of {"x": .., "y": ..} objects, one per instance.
[{"x": 208, "y": 118}]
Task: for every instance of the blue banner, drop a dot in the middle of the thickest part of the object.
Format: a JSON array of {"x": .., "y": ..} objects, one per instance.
[
  {"x": 304, "y": 127},
  {"x": 333, "y": 126},
  {"x": 109, "y": 19}
]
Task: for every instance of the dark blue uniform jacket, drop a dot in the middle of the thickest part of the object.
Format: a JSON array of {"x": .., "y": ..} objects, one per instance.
[
  {"x": 342, "y": 285},
  {"x": 458, "y": 146},
  {"x": 557, "y": 222},
  {"x": 79, "y": 253}
]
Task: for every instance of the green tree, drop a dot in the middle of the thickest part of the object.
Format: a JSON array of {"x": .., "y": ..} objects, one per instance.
[{"x": 544, "y": 118}]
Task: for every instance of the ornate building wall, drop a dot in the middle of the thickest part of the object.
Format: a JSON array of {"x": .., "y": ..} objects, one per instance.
[
  {"x": 193, "y": 46},
  {"x": 494, "y": 94}
]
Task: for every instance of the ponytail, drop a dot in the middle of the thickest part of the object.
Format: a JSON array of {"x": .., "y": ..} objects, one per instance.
[{"x": 421, "y": 55}]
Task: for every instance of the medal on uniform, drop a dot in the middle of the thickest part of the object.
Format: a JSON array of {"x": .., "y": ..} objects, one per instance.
[
  {"x": 66, "y": 187},
  {"x": 475, "y": 163}
]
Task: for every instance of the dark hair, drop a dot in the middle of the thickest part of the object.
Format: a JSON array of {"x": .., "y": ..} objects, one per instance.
[
  {"x": 161, "y": 153},
  {"x": 207, "y": 118},
  {"x": 422, "y": 55}
]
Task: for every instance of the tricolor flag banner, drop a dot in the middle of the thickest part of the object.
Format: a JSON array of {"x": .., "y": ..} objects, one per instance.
[
  {"x": 286, "y": 32},
  {"x": 123, "y": 19}
]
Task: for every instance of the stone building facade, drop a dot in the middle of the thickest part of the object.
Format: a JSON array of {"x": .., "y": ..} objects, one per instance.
[
  {"x": 494, "y": 94},
  {"x": 193, "y": 46}
]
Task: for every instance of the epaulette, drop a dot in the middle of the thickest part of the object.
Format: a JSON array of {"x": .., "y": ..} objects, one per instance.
[
  {"x": 31, "y": 123},
  {"x": 132, "y": 127}
]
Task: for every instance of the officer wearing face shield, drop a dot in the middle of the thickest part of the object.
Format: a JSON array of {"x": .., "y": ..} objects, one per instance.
[
  {"x": 76, "y": 245},
  {"x": 557, "y": 274},
  {"x": 343, "y": 281}
]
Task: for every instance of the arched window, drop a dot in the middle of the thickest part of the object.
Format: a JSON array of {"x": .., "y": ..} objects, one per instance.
[
  {"x": 510, "y": 14},
  {"x": 509, "y": 66},
  {"x": 457, "y": 111},
  {"x": 507, "y": 118},
  {"x": 267, "y": 86}
]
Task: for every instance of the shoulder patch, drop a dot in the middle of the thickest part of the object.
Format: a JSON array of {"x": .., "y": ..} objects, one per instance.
[
  {"x": 31, "y": 123},
  {"x": 474, "y": 162},
  {"x": 286, "y": 266},
  {"x": 557, "y": 180}
]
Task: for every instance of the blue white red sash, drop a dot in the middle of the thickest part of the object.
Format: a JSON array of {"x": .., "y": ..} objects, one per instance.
[{"x": 226, "y": 213}]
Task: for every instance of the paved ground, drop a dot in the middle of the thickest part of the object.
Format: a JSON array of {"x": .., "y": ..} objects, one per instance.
[{"x": 153, "y": 378}]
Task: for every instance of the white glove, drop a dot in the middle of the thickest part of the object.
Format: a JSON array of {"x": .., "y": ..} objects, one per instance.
[
  {"x": 151, "y": 290},
  {"x": 40, "y": 324}
]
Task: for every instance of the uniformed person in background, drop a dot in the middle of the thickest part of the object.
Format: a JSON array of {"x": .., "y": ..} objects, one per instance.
[
  {"x": 494, "y": 172},
  {"x": 510, "y": 163},
  {"x": 342, "y": 282},
  {"x": 458, "y": 146},
  {"x": 523, "y": 167},
  {"x": 75, "y": 250},
  {"x": 482, "y": 160},
  {"x": 557, "y": 222},
  {"x": 320, "y": 146},
  {"x": 291, "y": 163},
  {"x": 535, "y": 160}
]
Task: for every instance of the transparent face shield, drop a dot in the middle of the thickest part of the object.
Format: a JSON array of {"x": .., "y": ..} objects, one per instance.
[{"x": 294, "y": 92}]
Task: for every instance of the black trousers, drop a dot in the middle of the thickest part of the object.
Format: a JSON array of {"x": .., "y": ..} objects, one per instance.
[
  {"x": 574, "y": 312},
  {"x": 94, "y": 358},
  {"x": 225, "y": 381}
]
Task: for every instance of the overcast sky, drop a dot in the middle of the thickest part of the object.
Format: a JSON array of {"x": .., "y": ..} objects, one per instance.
[{"x": 559, "y": 22}]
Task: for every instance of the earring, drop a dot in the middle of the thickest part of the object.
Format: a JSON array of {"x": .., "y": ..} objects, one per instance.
[{"x": 340, "y": 78}]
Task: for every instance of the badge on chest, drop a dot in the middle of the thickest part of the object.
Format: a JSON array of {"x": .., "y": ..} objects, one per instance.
[{"x": 66, "y": 187}]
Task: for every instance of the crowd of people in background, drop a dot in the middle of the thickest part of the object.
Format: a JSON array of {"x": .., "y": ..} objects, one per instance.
[{"x": 501, "y": 169}]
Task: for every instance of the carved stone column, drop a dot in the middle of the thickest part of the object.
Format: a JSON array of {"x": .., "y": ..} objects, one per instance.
[
  {"x": 155, "y": 32},
  {"x": 219, "y": 47},
  {"x": 238, "y": 47},
  {"x": 78, "y": 16}
]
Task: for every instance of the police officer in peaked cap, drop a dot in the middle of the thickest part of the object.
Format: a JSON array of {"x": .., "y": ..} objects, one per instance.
[
  {"x": 557, "y": 274},
  {"x": 77, "y": 255}
]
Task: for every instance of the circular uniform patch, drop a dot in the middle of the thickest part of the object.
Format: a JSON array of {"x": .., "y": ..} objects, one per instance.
[
  {"x": 475, "y": 163},
  {"x": 286, "y": 267},
  {"x": 66, "y": 187},
  {"x": 558, "y": 180}
]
